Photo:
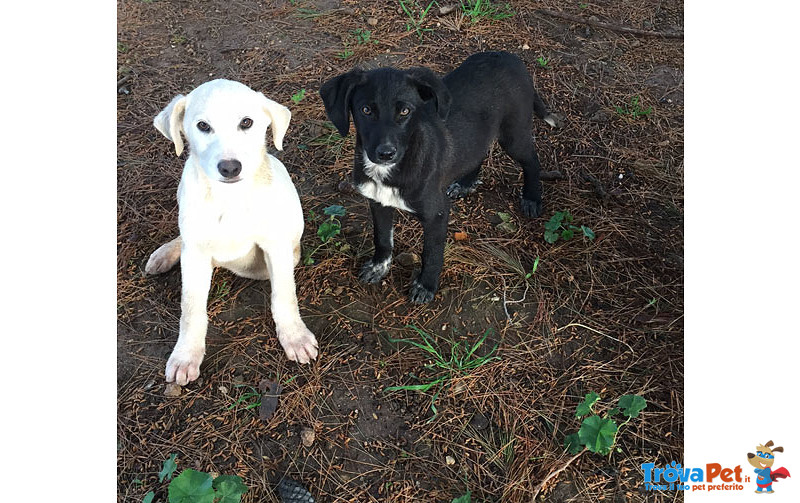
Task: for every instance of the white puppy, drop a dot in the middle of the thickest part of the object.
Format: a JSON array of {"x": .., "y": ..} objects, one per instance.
[{"x": 238, "y": 209}]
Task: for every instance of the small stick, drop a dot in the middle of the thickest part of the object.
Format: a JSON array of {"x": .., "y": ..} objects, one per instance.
[
  {"x": 553, "y": 474},
  {"x": 608, "y": 26}
]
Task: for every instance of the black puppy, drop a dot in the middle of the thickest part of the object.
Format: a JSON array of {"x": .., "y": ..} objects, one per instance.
[{"x": 421, "y": 139}]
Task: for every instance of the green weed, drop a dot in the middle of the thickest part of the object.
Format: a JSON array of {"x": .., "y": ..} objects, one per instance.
[
  {"x": 222, "y": 291},
  {"x": 416, "y": 16},
  {"x": 346, "y": 53},
  {"x": 476, "y": 10},
  {"x": 363, "y": 37},
  {"x": 533, "y": 269},
  {"x": 327, "y": 230},
  {"x": 250, "y": 398},
  {"x": 122, "y": 48},
  {"x": 460, "y": 361},
  {"x": 464, "y": 498},
  {"x": 298, "y": 96},
  {"x": 634, "y": 109},
  {"x": 599, "y": 434},
  {"x": 331, "y": 140},
  {"x": 560, "y": 226},
  {"x": 192, "y": 486},
  {"x": 542, "y": 61}
]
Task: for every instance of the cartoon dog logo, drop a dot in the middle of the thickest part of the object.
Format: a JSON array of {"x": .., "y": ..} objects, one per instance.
[{"x": 763, "y": 460}]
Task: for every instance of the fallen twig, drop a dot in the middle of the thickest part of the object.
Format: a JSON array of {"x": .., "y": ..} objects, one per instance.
[
  {"x": 554, "y": 473},
  {"x": 609, "y": 26}
]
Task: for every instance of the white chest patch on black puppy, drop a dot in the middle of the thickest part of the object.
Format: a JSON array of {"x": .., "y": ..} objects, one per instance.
[{"x": 375, "y": 189}]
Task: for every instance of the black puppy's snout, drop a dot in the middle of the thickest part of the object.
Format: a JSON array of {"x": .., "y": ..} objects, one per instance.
[
  {"x": 229, "y": 168},
  {"x": 386, "y": 152}
]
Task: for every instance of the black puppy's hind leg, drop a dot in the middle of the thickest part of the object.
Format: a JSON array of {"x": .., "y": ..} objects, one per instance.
[
  {"x": 465, "y": 185},
  {"x": 520, "y": 147},
  {"x": 376, "y": 268}
]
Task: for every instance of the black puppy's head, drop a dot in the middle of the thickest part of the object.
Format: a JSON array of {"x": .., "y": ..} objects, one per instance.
[{"x": 387, "y": 105}]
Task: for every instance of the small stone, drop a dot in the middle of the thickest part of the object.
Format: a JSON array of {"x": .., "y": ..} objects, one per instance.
[
  {"x": 172, "y": 390},
  {"x": 407, "y": 259},
  {"x": 223, "y": 390},
  {"x": 346, "y": 187},
  {"x": 372, "y": 21},
  {"x": 307, "y": 437},
  {"x": 447, "y": 9},
  {"x": 450, "y": 460},
  {"x": 338, "y": 291},
  {"x": 525, "y": 46}
]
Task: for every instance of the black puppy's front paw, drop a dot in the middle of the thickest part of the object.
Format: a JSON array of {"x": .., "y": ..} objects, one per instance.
[
  {"x": 420, "y": 294},
  {"x": 530, "y": 208},
  {"x": 456, "y": 190},
  {"x": 373, "y": 272}
]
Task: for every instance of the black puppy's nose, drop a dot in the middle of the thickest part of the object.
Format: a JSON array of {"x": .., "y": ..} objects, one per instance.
[
  {"x": 386, "y": 152},
  {"x": 229, "y": 168}
]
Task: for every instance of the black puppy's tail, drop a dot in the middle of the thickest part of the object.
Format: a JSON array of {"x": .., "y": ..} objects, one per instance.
[{"x": 541, "y": 110}]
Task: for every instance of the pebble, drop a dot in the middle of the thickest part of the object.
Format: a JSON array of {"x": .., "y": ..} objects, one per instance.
[
  {"x": 307, "y": 437},
  {"x": 447, "y": 9},
  {"x": 450, "y": 460},
  {"x": 407, "y": 259},
  {"x": 372, "y": 21},
  {"x": 172, "y": 390},
  {"x": 525, "y": 46}
]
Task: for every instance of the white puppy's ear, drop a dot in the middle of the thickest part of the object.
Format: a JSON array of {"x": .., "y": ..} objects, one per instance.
[
  {"x": 170, "y": 121},
  {"x": 279, "y": 116}
]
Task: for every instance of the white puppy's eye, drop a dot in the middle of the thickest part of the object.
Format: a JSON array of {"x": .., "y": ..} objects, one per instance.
[
  {"x": 405, "y": 111},
  {"x": 203, "y": 126},
  {"x": 366, "y": 110},
  {"x": 246, "y": 123}
]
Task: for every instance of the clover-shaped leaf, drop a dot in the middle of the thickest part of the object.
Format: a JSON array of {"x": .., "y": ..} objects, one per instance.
[
  {"x": 230, "y": 489},
  {"x": 191, "y": 487},
  {"x": 631, "y": 405},
  {"x": 598, "y": 434},
  {"x": 585, "y": 407}
]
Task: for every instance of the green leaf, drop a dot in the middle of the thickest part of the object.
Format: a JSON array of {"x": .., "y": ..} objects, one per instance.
[
  {"x": 229, "y": 488},
  {"x": 597, "y": 434},
  {"x": 327, "y": 230},
  {"x": 585, "y": 407},
  {"x": 335, "y": 210},
  {"x": 573, "y": 443},
  {"x": 505, "y": 217},
  {"x": 554, "y": 223},
  {"x": 567, "y": 234},
  {"x": 168, "y": 468},
  {"x": 551, "y": 236},
  {"x": 587, "y": 232},
  {"x": 568, "y": 216},
  {"x": 613, "y": 412},
  {"x": 631, "y": 405},
  {"x": 148, "y": 498},
  {"x": 191, "y": 487},
  {"x": 464, "y": 498}
]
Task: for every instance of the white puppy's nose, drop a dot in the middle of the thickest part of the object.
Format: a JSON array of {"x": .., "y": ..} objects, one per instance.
[{"x": 229, "y": 168}]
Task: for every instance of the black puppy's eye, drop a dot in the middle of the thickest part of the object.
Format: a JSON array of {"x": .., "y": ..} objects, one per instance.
[
  {"x": 246, "y": 123},
  {"x": 366, "y": 110},
  {"x": 203, "y": 126},
  {"x": 405, "y": 111}
]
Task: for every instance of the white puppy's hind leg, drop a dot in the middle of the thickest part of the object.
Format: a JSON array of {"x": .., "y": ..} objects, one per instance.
[
  {"x": 297, "y": 340},
  {"x": 183, "y": 365},
  {"x": 164, "y": 258}
]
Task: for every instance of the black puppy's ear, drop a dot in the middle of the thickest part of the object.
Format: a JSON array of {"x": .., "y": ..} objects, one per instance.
[
  {"x": 430, "y": 87},
  {"x": 336, "y": 95}
]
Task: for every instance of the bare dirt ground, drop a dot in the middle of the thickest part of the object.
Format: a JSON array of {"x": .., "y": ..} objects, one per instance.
[{"x": 602, "y": 315}]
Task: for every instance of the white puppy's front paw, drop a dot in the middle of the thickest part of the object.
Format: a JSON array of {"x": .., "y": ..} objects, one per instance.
[
  {"x": 299, "y": 343},
  {"x": 183, "y": 365},
  {"x": 163, "y": 259}
]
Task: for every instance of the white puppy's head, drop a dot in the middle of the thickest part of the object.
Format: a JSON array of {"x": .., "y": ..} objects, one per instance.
[{"x": 225, "y": 123}]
